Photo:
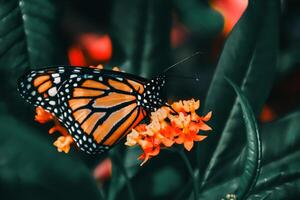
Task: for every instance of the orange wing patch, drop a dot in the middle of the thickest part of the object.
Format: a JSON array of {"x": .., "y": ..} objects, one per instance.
[
  {"x": 119, "y": 85},
  {"x": 94, "y": 84},
  {"x": 131, "y": 122},
  {"x": 113, "y": 99},
  {"x": 39, "y": 80},
  {"x": 90, "y": 123},
  {"x": 114, "y": 118},
  {"x": 82, "y": 92},
  {"x": 137, "y": 86},
  {"x": 77, "y": 103},
  {"x": 45, "y": 86},
  {"x": 81, "y": 114}
]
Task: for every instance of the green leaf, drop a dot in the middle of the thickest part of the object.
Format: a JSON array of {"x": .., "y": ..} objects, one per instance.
[
  {"x": 28, "y": 39},
  {"x": 249, "y": 55},
  {"x": 279, "y": 176},
  {"x": 30, "y": 168},
  {"x": 253, "y": 149},
  {"x": 288, "y": 61},
  {"x": 140, "y": 34}
]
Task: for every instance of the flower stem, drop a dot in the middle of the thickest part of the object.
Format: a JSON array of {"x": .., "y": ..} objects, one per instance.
[
  {"x": 197, "y": 154},
  {"x": 102, "y": 193},
  {"x": 125, "y": 174},
  {"x": 191, "y": 172}
]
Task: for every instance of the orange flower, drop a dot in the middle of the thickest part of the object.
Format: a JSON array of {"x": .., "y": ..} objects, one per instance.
[
  {"x": 63, "y": 143},
  {"x": 178, "y": 124},
  {"x": 42, "y": 116}
]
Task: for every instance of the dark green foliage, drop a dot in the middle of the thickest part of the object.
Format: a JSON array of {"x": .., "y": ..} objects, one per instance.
[
  {"x": 29, "y": 38},
  {"x": 190, "y": 12},
  {"x": 252, "y": 162},
  {"x": 32, "y": 169},
  {"x": 141, "y": 39},
  {"x": 232, "y": 160}
]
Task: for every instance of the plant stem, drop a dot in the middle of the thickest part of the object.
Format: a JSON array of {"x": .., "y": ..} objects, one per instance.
[
  {"x": 102, "y": 193},
  {"x": 197, "y": 154},
  {"x": 124, "y": 172},
  {"x": 191, "y": 172}
]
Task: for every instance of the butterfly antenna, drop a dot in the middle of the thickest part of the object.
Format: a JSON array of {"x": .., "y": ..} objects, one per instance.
[{"x": 182, "y": 61}]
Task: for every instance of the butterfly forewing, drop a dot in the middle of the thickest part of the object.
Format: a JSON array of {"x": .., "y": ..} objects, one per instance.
[{"x": 40, "y": 87}]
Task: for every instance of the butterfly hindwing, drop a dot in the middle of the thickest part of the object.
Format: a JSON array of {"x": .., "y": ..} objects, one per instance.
[{"x": 99, "y": 108}]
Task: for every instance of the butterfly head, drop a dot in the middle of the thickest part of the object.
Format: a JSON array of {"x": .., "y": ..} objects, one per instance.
[{"x": 153, "y": 97}]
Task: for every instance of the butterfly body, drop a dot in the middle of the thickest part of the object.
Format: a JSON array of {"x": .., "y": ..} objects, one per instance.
[{"x": 97, "y": 107}]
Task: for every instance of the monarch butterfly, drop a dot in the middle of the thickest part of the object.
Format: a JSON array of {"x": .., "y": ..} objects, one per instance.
[{"x": 97, "y": 106}]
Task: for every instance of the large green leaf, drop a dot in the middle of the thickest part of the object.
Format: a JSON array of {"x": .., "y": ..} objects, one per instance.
[
  {"x": 251, "y": 168},
  {"x": 248, "y": 59},
  {"x": 30, "y": 168},
  {"x": 279, "y": 177},
  {"x": 140, "y": 33},
  {"x": 28, "y": 39}
]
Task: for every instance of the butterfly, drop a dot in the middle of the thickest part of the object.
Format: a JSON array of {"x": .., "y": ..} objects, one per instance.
[{"x": 98, "y": 107}]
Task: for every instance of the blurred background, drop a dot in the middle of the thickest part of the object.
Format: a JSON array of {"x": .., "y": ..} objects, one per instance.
[
  {"x": 112, "y": 33},
  {"x": 87, "y": 39}
]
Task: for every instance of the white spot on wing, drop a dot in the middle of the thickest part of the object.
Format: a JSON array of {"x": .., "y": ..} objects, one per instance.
[
  {"x": 52, "y": 91},
  {"x": 57, "y": 80},
  {"x": 55, "y": 75}
]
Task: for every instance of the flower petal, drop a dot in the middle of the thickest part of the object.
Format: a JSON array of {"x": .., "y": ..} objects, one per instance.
[
  {"x": 204, "y": 127},
  {"x": 42, "y": 116},
  {"x": 63, "y": 143},
  {"x": 188, "y": 144},
  {"x": 200, "y": 137},
  {"x": 207, "y": 116}
]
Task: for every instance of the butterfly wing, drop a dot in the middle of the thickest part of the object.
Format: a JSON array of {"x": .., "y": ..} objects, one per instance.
[
  {"x": 100, "y": 108},
  {"x": 40, "y": 87}
]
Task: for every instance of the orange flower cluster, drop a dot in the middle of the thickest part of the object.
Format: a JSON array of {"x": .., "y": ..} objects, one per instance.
[{"x": 178, "y": 124}]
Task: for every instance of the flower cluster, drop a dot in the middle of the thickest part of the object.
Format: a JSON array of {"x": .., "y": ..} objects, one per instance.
[{"x": 178, "y": 124}]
